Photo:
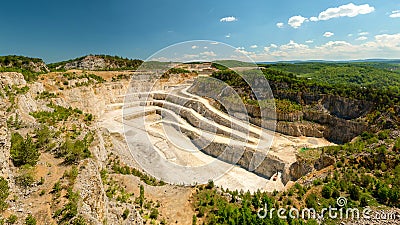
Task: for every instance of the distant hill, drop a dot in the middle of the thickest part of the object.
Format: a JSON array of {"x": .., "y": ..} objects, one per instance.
[
  {"x": 97, "y": 62},
  {"x": 14, "y": 62},
  {"x": 29, "y": 67}
]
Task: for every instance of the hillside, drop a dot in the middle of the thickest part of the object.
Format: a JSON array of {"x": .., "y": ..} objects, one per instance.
[{"x": 97, "y": 62}]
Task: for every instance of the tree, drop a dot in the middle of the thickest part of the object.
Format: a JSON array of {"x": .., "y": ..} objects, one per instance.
[
  {"x": 23, "y": 151},
  {"x": 354, "y": 193},
  {"x": 326, "y": 192}
]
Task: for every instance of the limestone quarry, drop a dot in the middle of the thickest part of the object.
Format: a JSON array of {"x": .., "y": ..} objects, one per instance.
[{"x": 178, "y": 121}]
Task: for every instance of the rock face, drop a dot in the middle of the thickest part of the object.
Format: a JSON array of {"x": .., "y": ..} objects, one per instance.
[
  {"x": 87, "y": 63},
  {"x": 302, "y": 167},
  {"x": 95, "y": 62},
  {"x": 335, "y": 118}
]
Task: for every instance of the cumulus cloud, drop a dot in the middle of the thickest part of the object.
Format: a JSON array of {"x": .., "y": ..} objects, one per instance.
[
  {"x": 309, "y": 41},
  {"x": 349, "y": 10},
  {"x": 208, "y": 53},
  {"x": 228, "y": 35},
  {"x": 228, "y": 19},
  {"x": 253, "y": 46},
  {"x": 381, "y": 46},
  {"x": 395, "y": 14},
  {"x": 363, "y": 33},
  {"x": 328, "y": 34},
  {"x": 195, "y": 46},
  {"x": 296, "y": 21},
  {"x": 280, "y": 25},
  {"x": 361, "y": 38}
]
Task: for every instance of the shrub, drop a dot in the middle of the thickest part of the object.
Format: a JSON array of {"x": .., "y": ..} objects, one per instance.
[
  {"x": 125, "y": 214},
  {"x": 30, "y": 220},
  {"x": 154, "y": 214},
  {"x": 4, "y": 192},
  {"x": 12, "y": 219},
  {"x": 25, "y": 177}
]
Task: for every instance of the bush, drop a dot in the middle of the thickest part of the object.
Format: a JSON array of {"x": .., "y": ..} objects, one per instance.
[
  {"x": 4, "y": 192},
  {"x": 12, "y": 219},
  {"x": 311, "y": 201},
  {"x": 154, "y": 214},
  {"x": 30, "y": 220},
  {"x": 25, "y": 177},
  {"x": 125, "y": 214}
]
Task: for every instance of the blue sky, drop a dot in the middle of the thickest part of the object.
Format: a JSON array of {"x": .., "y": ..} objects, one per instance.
[{"x": 264, "y": 30}]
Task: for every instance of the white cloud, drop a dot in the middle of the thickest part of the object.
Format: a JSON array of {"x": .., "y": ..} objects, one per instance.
[
  {"x": 195, "y": 46},
  {"x": 349, "y": 10},
  {"x": 361, "y": 38},
  {"x": 363, "y": 33},
  {"x": 280, "y": 25},
  {"x": 381, "y": 46},
  {"x": 271, "y": 46},
  {"x": 228, "y": 19},
  {"x": 293, "y": 45},
  {"x": 388, "y": 40},
  {"x": 350, "y": 35},
  {"x": 328, "y": 34},
  {"x": 254, "y": 46},
  {"x": 296, "y": 21},
  {"x": 208, "y": 53},
  {"x": 395, "y": 14},
  {"x": 228, "y": 35},
  {"x": 309, "y": 41}
]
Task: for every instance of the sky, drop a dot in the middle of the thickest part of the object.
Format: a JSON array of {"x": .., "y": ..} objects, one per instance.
[{"x": 264, "y": 30}]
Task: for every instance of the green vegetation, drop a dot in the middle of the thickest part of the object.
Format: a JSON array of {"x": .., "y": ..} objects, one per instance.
[
  {"x": 58, "y": 114},
  {"x": 12, "y": 219},
  {"x": 287, "y": 106},
  {"x": 74, "y": 151},
  {"x": 174, "y": 71},
  {"x": 25, "y": 176},
  {"x": 30, "y": 220},
  {"x": 119, "y": 169},
  {"x": 4, "y": 192},
  {"x": 20, "y": 64},
  {"x": 125, "y": 214},
  {"x": 91, "y": 78},
  {"x": 23, "y": 151},
  {"x": 46, "y": 95},
  {"x": 70, "y": 210},
  {"x": 118, "y": 62},
  {"x": 238, "y": 208}
]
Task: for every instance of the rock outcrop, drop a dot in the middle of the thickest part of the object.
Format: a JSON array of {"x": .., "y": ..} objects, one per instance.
[
  {"x": 98, "y": 62},
  {"x": 335, "y": 118}
]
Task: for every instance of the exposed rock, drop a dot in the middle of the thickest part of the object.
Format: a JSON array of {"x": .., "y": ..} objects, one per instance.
[{"x": 333, "y": 117}]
